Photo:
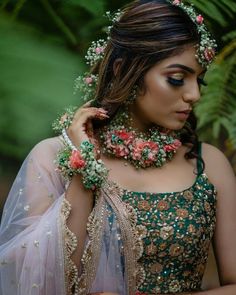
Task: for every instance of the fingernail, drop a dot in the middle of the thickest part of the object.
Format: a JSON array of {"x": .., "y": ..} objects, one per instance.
[
  {"x": 102, "y": 110},
  {"x": 103, "y": 116}
]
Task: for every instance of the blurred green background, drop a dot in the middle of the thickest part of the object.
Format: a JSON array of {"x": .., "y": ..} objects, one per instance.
[{"x": 42, "y": 44}]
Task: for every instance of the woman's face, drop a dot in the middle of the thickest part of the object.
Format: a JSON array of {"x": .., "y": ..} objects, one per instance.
[{"x": 171, "y": 89}]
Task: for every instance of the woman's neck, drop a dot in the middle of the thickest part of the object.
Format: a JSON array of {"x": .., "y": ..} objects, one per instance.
[{"x": 138, "y": 120}]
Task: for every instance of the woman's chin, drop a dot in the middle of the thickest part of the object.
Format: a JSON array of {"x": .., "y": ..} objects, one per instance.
[{"x": 173, "y": 126}]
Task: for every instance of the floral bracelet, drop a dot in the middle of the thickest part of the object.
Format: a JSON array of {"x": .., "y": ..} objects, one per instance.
[{"x": 82, "y": 161}]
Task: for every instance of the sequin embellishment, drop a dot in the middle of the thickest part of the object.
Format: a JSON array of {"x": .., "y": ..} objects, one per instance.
[{"x": 179, "y": 227}]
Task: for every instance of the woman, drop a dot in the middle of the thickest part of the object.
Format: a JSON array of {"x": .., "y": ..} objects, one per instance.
[{"x": 136, "y": 199}]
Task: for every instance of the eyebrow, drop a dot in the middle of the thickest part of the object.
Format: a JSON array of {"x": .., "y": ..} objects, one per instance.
[{"x": 185, "y": 68}]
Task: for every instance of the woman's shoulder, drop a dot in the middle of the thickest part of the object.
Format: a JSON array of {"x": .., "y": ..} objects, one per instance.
[
  {"x": 213, "y": 156},
  {"x": 45, "y": 151},
  {"x": 217, "y": 166},
  {"x": 48, "y": 145}
]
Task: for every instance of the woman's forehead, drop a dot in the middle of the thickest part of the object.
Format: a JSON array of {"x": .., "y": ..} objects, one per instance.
[{"x": 186, "y": 58}]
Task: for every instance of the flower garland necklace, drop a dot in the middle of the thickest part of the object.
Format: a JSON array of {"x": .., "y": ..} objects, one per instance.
[
  {"x": 140, "y": 149},
  {"x": 118, "y": 139}
]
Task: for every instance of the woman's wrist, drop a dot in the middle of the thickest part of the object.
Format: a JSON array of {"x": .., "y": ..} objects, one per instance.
[{"x": 72, "y": 161}]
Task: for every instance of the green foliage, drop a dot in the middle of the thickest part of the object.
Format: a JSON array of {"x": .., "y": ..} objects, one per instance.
[
  {"x": 95, "y": 7},
  {"x": 42, "y": 44},
  {"x": 36, "y": 82},
  {"x": 217, "y": 109}
]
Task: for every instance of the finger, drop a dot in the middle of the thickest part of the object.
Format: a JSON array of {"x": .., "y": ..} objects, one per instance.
[
  {"x": 99, "y": 110},
  {"x": 87, "y": 104},
  {"x": 89, "y": 128},
  {"x": 89, "y": 113},
  {"x": 83, "y": 110}
]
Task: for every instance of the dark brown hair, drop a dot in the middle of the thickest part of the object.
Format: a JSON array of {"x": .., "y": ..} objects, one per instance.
[{"x": 146, "y": 33}]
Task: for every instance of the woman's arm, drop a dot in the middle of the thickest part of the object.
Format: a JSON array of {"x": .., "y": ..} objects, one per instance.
[
  {"x": 80, "y": 198},
  {"x": 81, "y": 201},
  {"x": 222, "y": 176}
]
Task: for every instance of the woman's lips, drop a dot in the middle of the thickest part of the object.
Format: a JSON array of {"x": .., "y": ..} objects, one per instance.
[{"x": 183, "y": 115}]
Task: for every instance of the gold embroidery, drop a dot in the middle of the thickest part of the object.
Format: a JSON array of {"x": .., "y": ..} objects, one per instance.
[
  {"x": 70, "y": 244},
  {"x": 131, "y": 236},
  {"x": 91, "y": 255},
  {"x": 131, "y": 233}
]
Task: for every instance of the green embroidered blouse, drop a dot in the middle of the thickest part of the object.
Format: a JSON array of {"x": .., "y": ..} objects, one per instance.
[{"x": 180, "y": 226}]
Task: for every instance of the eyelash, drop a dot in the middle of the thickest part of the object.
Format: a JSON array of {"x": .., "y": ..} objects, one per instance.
[
  {"x": 176, "y": 82},
  {"x": 201, "y": 81}
]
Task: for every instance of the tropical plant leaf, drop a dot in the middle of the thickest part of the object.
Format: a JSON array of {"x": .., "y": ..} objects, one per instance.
[
  {"x": 96, "y": 7},
  {"x": 230, "y": 4},
  {"x": 218, "y": 104},
  {"x": 229, "y": 36}
]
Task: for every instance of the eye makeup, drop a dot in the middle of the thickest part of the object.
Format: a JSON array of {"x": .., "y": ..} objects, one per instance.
[
  {"x": 178, "y": 80},
  {"x": 175, "y": 82},
  {"x": 201, "y": 81}
]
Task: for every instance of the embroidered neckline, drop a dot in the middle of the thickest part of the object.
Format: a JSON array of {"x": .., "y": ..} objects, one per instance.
[{"x": 190, "y": 188}]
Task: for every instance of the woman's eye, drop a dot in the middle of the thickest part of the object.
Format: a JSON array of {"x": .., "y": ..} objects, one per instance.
[
  {"x": 175, "y": 82},
  {"x": 201, "y": 81}
]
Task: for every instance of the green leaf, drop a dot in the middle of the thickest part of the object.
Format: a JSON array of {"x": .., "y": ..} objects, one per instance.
[
  {"x": 229, "y": 36},
  {"x": 96, "y": 7},
  {"x": 216, "y": 129},
  {"x": 217, "y": 107},
  {"x": 231, "y": 4}
]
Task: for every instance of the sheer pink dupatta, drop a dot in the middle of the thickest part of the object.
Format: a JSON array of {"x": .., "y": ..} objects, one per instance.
[
  {"x": 31, "y": 248},
  {"x": 35, "y": 246}
]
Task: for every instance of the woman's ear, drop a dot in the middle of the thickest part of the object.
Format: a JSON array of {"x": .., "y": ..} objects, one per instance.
[{"x": 116, "y": 65}]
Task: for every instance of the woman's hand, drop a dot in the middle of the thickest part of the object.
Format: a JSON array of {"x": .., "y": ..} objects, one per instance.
[{"x": 81, "y": 128}]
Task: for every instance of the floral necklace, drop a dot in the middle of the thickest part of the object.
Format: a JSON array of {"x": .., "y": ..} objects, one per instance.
[{"x": 140, "y": 149}]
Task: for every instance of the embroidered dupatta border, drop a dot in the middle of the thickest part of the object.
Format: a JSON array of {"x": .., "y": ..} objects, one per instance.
[{"x": 131, "y": 235}]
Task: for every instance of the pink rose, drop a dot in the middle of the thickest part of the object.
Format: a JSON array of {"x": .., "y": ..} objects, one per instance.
[
  {"x": 173, "y": 146},
  {"x": 99, "y": 50},
  {"x": 176, "y": 2},
  {"x": 127, "y": 137},
  {"x": 121, "y": 150},
  {"x": 209, "y": 53},
  {"x": 114, "y": 137},
  {"x": 117, "y": 141},
  {"x": 200, "y": 19},
  {"x": 88, "y": 80},
  {"x": 149, "y": 148},
  {"x": 76, "y": 161}
]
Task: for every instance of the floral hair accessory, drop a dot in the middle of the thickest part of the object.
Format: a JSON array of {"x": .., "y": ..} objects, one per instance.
[
  {"x": 206, "y": 49},
  {"x": 113, "y": 17},
  {"x": 95, "y": 52},
  {"x": 87, "y": 83},
  {"x": 64, "y": 120}
]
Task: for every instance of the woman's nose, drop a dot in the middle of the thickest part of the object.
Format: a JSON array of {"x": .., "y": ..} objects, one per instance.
[{"x": 192, "y": 94}]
